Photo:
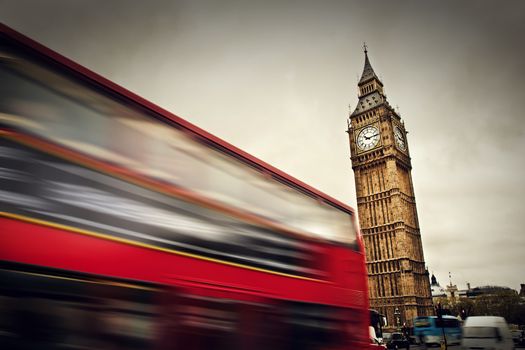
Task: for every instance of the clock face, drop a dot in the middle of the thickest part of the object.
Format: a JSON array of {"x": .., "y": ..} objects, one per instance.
[
  {"x": 368, "y": 138},
  {"x": 400, "y": 138}
]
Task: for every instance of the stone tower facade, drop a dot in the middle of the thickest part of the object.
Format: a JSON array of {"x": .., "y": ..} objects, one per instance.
[{"x": 398, "y": 280}]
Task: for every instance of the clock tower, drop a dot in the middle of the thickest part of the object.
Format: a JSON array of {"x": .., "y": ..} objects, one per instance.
[{"x": 397, "y": 278}]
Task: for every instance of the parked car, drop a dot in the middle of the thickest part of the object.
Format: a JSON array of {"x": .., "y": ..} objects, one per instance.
[
  {"x": 518, "y": 336},
  {"x": 398, "y": 341},
  {"x": 484, "y": 332},
  {"x": 386, "y": 337}
]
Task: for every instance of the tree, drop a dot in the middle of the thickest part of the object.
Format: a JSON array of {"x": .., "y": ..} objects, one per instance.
[
  {"x": 461, "y": 307},
  {"x": 497, "y": 302}
]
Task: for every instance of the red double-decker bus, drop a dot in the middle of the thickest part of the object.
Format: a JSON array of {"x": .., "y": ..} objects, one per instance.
[{"x": 123, "y": 226}]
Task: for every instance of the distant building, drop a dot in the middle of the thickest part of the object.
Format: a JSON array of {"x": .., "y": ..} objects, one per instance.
[
  {"x": 437, "y": 291},
  {"x": 462, "y": 293},
  {"x": 450, "y": 292},
  {"x": 451, "y": 295}
]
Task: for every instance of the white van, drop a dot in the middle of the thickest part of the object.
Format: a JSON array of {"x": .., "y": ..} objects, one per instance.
[{"x": 486, "y": 332}]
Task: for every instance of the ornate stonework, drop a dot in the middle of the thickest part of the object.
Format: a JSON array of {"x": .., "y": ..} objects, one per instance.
[{"x": 387, "y": 206}]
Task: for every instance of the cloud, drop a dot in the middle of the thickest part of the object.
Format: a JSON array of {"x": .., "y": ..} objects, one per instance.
[{"x": 275, "y": 78}]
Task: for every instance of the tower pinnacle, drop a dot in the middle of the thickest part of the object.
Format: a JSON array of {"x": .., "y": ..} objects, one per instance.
[
  {"x": 371, "y": 93},
  {"x": 368, "y": 71}
]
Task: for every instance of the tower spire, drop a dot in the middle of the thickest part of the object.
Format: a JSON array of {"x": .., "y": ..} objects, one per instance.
[
  {"x": 371, "y": 93},
  {"x": 368, "y": 71}
]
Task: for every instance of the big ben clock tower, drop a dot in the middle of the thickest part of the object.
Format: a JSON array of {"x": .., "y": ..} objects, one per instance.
[{"x": 397, "y": 278}]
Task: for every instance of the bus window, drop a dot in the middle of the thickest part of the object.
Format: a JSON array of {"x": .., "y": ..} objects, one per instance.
[
  {"x": 422, "y": 322},
  {"x": 447, "y": 323},
  {"x": 51, "y": 311}
]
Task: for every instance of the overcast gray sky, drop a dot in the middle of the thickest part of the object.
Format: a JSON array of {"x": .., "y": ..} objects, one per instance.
[{"x": 275, "y": 78}]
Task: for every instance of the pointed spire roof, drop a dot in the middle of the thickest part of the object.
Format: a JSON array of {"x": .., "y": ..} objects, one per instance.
[
  {"x": 371, "y": 93},
  {"x": 434, "y": 280},
  {"x": 368, "y": 71}
]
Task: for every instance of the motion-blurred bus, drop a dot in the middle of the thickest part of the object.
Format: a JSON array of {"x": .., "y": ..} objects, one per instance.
[
  {"x": 123, "y": 226},
  {"x": 430, "y": 330}
]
